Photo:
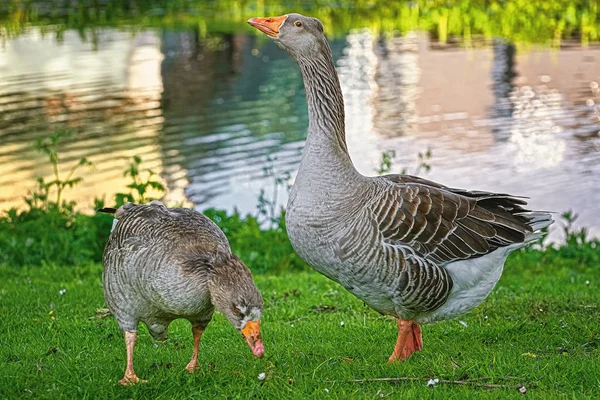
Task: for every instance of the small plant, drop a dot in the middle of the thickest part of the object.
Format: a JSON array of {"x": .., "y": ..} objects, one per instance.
[
  {"x": 40, "y": 197},
  {"x": 266, "y": 206},
  {"x": 139, "y": 187},
  {"x": 388, "y": 157},
  {"x": 573, "y": 237},
  {"x": 423, "y": 164},
  {"x": 385, "y": 164}
]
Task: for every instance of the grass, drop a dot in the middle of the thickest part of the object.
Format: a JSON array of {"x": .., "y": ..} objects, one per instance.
[{"x": 540, "y": 325}]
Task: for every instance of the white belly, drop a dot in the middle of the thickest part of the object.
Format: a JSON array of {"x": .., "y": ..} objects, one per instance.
[{"x": 473, "y": 281}]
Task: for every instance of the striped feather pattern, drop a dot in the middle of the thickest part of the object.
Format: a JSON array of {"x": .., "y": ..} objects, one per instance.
[
  {"x": 444, "y": 225},
  {"x": 409, "y": 231},
  {"x": 412, "y": 229}
]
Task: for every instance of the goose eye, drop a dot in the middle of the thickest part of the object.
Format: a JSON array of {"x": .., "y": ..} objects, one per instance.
[
  {"x": 298, "y": 24},
  {"x": 237, "y": 310}
]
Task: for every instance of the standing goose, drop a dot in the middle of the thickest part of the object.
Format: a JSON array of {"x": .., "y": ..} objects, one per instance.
[
  {"x": 162, "y": 263},
  {"x": 406, "y": 246}
]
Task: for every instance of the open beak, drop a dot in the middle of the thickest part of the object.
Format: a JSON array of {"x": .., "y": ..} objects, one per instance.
[
  {"x": 269, "y": 25},
  {"x": 252, "y": 334}
]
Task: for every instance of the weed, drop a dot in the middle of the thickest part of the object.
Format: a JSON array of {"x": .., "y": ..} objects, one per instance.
[
  {"x": 139, "y": 186},
  {"x": 573, "y": 237},
  {"x": 387, "y": 160},
  {"x": 39, "y": 198},
  {"x": 266, "y": 206},
  {"x": 423, "y": 163},
  {"x": 263, "y": 249}
]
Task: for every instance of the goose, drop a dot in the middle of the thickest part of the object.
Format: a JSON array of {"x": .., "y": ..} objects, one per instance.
[
  {"x": 163, "y": 263},
  {"x": 406, "y": 246}
]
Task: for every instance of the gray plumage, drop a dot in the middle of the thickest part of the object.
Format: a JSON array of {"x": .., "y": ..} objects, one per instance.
[
  {"x": 406, "y": 246},
  {"x": 162, "y": 263}
]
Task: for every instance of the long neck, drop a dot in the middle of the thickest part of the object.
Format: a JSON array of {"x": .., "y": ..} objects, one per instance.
[{"x": 326, "y": 141}]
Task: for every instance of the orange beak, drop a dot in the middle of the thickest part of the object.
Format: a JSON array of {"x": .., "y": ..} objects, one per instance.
[
  {"x": 252, "y": 334},
  {"x": 269, "y": 25}
]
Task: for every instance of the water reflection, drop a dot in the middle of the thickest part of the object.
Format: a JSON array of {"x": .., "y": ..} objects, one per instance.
[
  {"x": 535, "y": 131},
  {"x": 109, "y": 97},
  {"x": 357, "y": 69},
  {"x": 206, "y": 113},
  {"x": 398, "y": 78},
  {"x": 502, "y": 80}
]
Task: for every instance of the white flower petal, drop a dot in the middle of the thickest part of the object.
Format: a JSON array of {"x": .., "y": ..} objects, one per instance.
[{"x": 522, "y": 389}]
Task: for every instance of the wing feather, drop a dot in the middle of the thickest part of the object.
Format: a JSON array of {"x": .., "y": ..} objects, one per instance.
[
  {"x": 423, "y": 226},
  {"x": 444, "y": 225}
]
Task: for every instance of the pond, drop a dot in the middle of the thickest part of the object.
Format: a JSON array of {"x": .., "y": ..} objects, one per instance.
[{"x": 506, "y": 99}]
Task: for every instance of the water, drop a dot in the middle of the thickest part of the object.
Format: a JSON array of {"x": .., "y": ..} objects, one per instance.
[{"x": 210, "y": 114}]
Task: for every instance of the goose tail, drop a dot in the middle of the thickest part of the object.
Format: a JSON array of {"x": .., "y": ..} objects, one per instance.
[
  {"x": 537, "y": 221},
  {"x": 125, "y": 208},
  {"x": 107, "y": 210}
]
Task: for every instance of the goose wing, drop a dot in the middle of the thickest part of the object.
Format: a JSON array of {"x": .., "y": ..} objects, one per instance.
[
  {"x": 442, "y": 224},
  {"x": 145, "y": 229},
  {"x": 137, "y": 231},
  {"x": 424, "y": 226},
  {"x": 174, "y": 227}
]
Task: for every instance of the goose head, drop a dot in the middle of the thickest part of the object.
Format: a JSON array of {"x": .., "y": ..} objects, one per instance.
[
  {"x": 234, "y": 294},
  {"x": 300, "y": 36},
  {"x": 245, "y": 314}
]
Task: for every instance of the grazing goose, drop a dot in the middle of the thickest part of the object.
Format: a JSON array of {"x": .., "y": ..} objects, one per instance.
[
  {"x": 406, "y": 246},
  {"x": 162, "y": 263}
]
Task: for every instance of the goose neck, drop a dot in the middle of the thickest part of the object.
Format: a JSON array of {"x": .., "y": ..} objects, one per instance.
[{"x": 326, "y": 129}]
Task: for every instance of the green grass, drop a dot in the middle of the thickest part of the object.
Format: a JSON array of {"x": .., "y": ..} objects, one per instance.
[{"x": 541, "y": 325}]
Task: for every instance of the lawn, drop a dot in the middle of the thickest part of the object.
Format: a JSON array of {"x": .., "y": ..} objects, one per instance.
[{"x": 540, "y": 328}]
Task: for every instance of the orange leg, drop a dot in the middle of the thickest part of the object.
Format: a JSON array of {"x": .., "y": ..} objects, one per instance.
[
  {"x": 409, "y": 340},
  {"x": 193, "y": 364},
  {"x": 130, "y": 377}
]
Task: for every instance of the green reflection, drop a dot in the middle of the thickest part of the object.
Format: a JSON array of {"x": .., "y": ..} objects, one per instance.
[{"x": 524, "y": 21}]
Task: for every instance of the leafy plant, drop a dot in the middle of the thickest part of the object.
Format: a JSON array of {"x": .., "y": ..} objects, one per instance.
[
  {"x": 573, "y": 237},
  {"x": 38, "y": 236},
  {"x": 139, "y": 186},
  {"x": 386, "y": 161},
  {"x": 266, "y": 206},
  {"x": 518, "y": 21},
  {"x": 388, "y": 157},
  {"x": 40, "y": 196},
  {"x": 423, "y": 163},
  {"x": 50, "y": 231}
]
